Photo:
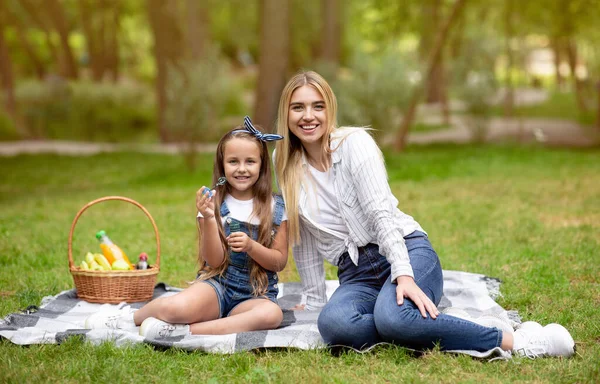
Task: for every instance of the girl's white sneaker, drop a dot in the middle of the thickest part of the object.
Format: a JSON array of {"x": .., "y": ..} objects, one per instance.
[
  {"x": 153, "y": 328},
  {"x": 112, "y": 319}
]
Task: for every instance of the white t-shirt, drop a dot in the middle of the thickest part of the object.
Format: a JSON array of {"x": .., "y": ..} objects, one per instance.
[
  {"x": 242, "y": 210},
  {"x": 323, "y": 203}
]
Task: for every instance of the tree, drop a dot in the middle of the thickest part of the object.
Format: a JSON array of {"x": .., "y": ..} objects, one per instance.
[
  {"x": 34, "y": 12},
  {"x": 101, "y": 26},
  {"x": 433, "y": 57},
  {"x": 16, "y": 20},
  {"x": 273, "y": 61},
  {"x": 198, "y": 28},
  {"x": 57, "y": 15},
  {"x": 167, "y": 52},
  {"x": 431, "y": 13},
  {"x": 509, "y": 99},
  {"x": 8, "y": 83},
  {"x": 331, "y": 36}
]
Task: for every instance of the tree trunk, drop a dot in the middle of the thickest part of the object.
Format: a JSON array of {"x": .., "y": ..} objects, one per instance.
[
  {"x": 273, "y": 61},
  {"x": 598, "y": 113},
  {"x": 8, "y": 83},
  {"x": 34, "y": 10},
  {"x": 572, "y": 57},
  {"x": 434, "y": 56},
  {"x": 198, "y": 23},
  {"x": 509, "y": 98},
  {"x": 556, "y": 48},
  {"x": 37, "y": 63},
  {"x": 94, "y": 50},
  {"x": 444, "y": 101},
  {"x": 59, "y": 19},
  {"x": 330, "y": 49},
  {"x": 112, "y": 41},
  {"x": 167, "y": 50},
  {"x": 431, "y": 13},
  {"x": 155, "y": 9}
]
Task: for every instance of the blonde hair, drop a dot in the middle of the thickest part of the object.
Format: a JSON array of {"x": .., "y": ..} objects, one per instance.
[{"x": 289, "y": 151}]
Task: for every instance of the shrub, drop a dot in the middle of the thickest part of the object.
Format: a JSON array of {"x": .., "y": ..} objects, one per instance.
[
  {"x": 7, "y": 128},
  {"x": 200, "y": 95},
  {"x": 56, "y": 109},
  {"x": 374, "y": 91}
]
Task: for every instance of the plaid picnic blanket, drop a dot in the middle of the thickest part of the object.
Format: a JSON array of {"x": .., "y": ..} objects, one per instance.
[{"x": 62, "y": 316}]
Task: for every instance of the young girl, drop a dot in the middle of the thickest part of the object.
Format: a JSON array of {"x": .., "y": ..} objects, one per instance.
[
  {"x": 243, "y": 243},
  {"x": 341, "y": 209}
]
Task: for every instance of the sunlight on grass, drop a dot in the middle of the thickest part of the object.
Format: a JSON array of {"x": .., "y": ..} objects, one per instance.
[{"x": 528, "y": 216}]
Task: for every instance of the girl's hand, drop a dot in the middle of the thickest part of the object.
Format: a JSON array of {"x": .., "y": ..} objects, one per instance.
[
  {"x": 240, "y": 242},
  {"x": 409, "y": 289},
  {"x": 205, "y": 202}
]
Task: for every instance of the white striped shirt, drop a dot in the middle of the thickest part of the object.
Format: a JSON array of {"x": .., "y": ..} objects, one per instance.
[{"x": 368, "y": 208}]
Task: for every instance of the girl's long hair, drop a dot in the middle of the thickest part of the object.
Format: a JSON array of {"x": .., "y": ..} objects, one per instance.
[
  {"x": 262, "y": 210},
  {"x": 289, "y": 151}
]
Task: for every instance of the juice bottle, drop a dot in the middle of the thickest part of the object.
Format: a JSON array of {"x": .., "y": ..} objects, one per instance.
[{"x": 110, "y": 250}]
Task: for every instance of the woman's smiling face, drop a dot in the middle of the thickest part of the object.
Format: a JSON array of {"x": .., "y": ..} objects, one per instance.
[{"x": 307, "y": 115}]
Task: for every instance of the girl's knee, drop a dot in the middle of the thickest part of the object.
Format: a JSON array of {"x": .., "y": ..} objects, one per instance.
[
  {"x": 272, "y": 317},
  {"x": 172, "y": 309}
]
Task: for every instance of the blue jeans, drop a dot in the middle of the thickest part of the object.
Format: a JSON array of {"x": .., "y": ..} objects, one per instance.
[{"x": 363, "y": 311}]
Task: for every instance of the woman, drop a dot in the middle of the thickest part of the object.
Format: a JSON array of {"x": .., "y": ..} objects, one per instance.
[{"x": 340, "y": 208}]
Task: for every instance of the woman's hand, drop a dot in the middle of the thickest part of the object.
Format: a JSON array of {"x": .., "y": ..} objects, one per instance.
[
  {"x": 240, "y": 242},
  {"x": 205, "y": 203},
  {"x": 409, "y": 289}
]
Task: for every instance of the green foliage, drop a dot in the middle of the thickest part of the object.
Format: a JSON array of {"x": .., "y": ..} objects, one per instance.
[
  {"x": 7, "y": 128},
  {"x": 374, "y": 90},
  {"x": 55, "y": 109},
  {"x": 234, "y": 27},
  {"x": 527, "y": 215},
  {"x": 200, "y": 94},
  {"x": 108, "y": 112},
  {"x": 473, "y": 80}
]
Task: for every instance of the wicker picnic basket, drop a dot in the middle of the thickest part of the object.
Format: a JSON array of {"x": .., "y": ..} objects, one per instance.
[{"x": 114, "y": 286}]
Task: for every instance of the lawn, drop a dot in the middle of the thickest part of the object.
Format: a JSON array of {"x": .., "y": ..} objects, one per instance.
[
  {"x": 559, "y": 105},
  {"x": 528, "y": 215}
]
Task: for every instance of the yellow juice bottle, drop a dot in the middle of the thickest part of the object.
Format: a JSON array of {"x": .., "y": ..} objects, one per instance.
[{"x": 111, "y": 251}]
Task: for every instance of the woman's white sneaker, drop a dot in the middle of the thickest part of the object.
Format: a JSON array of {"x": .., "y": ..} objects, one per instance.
[
  {"x": 536, "y": 341},
  {"x": 153, "y": 328}
]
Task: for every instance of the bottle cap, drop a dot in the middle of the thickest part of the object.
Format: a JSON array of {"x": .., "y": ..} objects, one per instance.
[{"x": 100, "y": 234}]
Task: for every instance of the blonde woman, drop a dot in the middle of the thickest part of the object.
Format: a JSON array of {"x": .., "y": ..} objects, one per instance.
[{"x": 340, "y": 208}]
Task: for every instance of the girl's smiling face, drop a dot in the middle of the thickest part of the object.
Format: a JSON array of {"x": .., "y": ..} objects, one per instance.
[
  {"x": 242, "y": 162},
  {"x": 307, "y": 116}
]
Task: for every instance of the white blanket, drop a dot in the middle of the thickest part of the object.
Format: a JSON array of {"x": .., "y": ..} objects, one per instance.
[{"x": 62, "y": 316}]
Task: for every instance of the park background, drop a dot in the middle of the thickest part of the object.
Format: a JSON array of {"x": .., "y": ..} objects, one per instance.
[{"x": 487, "y": 112}]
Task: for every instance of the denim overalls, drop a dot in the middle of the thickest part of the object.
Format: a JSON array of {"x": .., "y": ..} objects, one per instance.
[{"x": 233, "y": 287}]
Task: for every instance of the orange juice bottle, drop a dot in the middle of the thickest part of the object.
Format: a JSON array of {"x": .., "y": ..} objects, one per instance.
[{"x": 111, "y": 251}]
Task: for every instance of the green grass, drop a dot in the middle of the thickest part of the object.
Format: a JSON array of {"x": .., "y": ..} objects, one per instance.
[
  {"x": 559, "y": 105},
  {"x": 527, "y": 215}
]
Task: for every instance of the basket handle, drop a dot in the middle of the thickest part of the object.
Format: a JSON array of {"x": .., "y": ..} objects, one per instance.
[{"x": 121, "y": 198}]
